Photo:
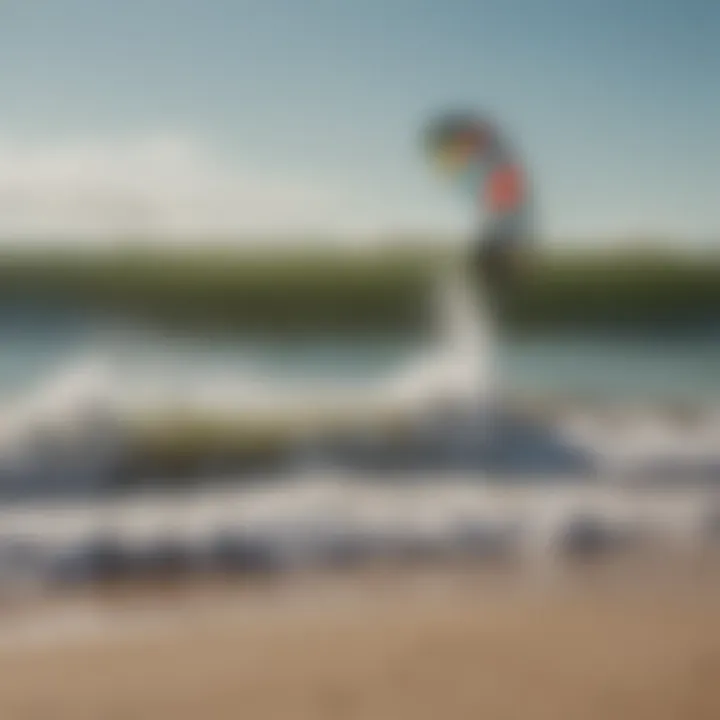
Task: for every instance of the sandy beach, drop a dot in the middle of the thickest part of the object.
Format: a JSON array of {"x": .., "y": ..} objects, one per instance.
[{"x": 454, "y": 645}]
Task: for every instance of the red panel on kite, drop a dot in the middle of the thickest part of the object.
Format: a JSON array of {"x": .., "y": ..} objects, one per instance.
[{"x": 505, "y": 189}]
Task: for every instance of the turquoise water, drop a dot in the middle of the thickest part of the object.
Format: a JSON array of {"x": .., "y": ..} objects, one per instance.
[
  {"x": 687, "y": 369},
  {"x": 36, "y": 345}
]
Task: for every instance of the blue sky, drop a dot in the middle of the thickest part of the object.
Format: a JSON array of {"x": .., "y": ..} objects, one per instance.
[{"x": 304, "y": 114}]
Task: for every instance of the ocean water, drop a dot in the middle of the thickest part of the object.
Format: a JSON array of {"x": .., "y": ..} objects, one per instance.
[
  {"x": 674, "y": 369},
  {"x": 38, "y": 344}
]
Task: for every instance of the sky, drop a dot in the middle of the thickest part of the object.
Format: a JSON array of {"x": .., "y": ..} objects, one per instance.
[{"x": 303, "y": 116}]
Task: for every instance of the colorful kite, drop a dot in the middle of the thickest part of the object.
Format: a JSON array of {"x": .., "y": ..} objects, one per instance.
[{"x": 472, "y": 154}]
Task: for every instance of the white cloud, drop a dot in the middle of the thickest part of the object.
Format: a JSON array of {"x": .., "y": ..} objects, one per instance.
[{"x": 165, "y": 185}]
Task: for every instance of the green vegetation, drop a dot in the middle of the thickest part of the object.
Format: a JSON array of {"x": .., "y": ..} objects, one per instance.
[
  {"x": 618, "y": 291},
  {"x": 386, "y": 291}
]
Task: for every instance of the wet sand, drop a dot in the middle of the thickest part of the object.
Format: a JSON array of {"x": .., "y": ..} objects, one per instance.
[{"x": 376, "y": 647}]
